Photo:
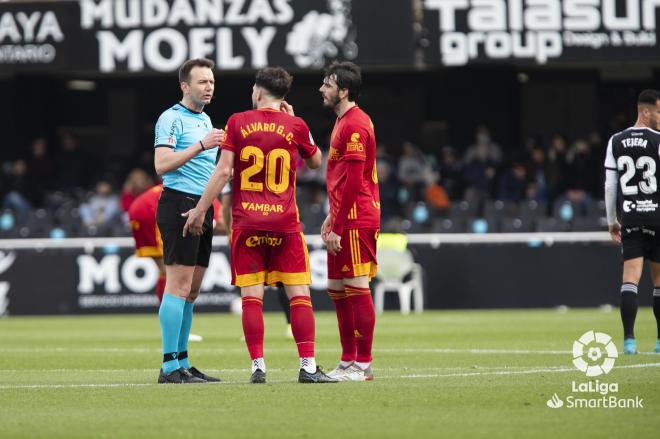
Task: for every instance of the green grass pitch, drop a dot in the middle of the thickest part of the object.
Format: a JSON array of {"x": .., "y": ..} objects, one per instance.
[{"x": 482, "y": 374}]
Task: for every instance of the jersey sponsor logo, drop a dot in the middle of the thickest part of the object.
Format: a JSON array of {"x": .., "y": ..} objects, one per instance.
[
  {"x": 264, "y": 208},
  {"x": 355, "y": 144},
  {"x": 634, "y": 142},
  {"x": 334, "y": 154},
  {"x": 255, "y": 240},
  {"x": 639, "y": 206},
  {"x": 257, "y": 127}
]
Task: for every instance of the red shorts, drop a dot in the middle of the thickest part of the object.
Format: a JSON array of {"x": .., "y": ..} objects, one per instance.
[
  {"x": 357, "y": 256},
  {"x": 260, "y": 257},
  {"x": 148, "y": 242}
]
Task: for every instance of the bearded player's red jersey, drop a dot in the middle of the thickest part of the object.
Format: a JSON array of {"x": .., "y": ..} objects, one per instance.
[
  {"x": 353, "y": 138},
  {"x": 266, "y": 143}
]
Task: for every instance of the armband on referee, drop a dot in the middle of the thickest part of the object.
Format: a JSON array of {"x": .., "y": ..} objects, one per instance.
[{"x": 202, "y": 145}]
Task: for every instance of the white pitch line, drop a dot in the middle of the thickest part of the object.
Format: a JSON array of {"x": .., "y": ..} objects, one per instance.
[
  {"x": 279, "y": 350},
  {"x": 270, "y": 369},
  {"x": 519, "y": 372},
  {"x": 242, "y": 349},
  {"x": 451, "y": 375}
]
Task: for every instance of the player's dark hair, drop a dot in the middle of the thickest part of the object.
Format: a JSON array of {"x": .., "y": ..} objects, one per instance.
[
  {"x": 649, "y": 97},
  {"x": 348, "y": 77},
  {"x": 184, "y": 71},
  {"x": 275, "y": 80}
]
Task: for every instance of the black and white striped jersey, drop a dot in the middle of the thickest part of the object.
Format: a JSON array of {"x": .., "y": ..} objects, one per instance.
[{"x": 634, "y": 154}]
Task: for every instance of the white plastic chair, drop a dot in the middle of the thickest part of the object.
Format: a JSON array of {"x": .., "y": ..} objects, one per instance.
[{"x": 393, "y": 267}]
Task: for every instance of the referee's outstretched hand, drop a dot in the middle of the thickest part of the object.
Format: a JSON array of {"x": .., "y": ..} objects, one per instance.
[{"x": 194, "y": 224}]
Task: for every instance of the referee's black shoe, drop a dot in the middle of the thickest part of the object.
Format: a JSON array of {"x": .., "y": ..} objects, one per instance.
[
  {"x": 202, "y": 376},
  {"x": 258, "y": 377},
  {"x": 316, "y": 377},
  {"x": 179, "y": 376}
]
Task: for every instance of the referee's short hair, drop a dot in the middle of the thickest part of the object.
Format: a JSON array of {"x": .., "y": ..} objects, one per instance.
[
  {"x": 184, "y": 71},
  {"x": 275, "y": 80},
  {"x": 648, "y": 97},
  {"x": 348, "y": 77}
]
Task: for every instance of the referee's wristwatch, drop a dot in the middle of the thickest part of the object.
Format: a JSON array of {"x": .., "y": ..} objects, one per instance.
[{"x": 202, "y": 145}]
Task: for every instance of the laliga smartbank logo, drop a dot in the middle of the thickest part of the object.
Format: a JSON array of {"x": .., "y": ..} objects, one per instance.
[{"x": 594, "y": 354}]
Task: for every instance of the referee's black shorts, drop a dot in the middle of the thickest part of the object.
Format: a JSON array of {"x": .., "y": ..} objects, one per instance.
[
  {"x": 637, "y": 242},
  {"x": 191, "y": 250}
]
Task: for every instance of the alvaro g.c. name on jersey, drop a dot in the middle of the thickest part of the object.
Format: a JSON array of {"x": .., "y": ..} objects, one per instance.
[{"x": 635, "y": 155}]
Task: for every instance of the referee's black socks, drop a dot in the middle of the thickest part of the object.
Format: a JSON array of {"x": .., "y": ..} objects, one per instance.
[{"x": 629, "y": 309}]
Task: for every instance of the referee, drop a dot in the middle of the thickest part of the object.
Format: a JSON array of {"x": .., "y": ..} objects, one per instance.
[{"x": 185, "y": 158}]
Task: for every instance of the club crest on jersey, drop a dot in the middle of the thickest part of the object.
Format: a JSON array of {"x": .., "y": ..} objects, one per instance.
[
  {"x": 633, "y": 142},
  {"x": 334, "y": 154},
  {"x": 354, "y": 144}
]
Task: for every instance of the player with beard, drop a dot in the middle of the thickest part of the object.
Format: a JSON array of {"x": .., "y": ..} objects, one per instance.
[{"x": 350, "y": 230}]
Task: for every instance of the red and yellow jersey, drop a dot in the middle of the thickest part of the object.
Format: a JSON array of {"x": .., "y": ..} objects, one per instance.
[
  {"x": 145, "y": 205},
  {"x": 353, "y": 138},
  {"x": 266, "y": 143}
]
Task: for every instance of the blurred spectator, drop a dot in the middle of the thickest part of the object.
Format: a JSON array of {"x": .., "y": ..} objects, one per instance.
[
  {"x": 102, "y": 207},
  {"x": 582, "y": 176},
  {"x": 437, "y": 198},
  {"x": 513, "y": 184},
  {"x": 40, "y": 164},
  {"x": 136, "y": 182},
  {"x": 597, "y": 146},
  {"x": 389, "y": 187},
  {"x": 451, "y": 173},
  {"x": 537, "y": 189},
  {"x": 557, "y": 166},
  {"x": 484, "y": 148},
  {"x": 19, "y": 192},
  {"x": 412, "y": 169},
  {"x": 479, "y": 174},
  {"x": 72, "y": 165},
  {"x": 383, "y": 156}
]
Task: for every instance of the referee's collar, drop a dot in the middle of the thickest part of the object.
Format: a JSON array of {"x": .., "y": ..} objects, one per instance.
[{"x": 192, "y": 111}]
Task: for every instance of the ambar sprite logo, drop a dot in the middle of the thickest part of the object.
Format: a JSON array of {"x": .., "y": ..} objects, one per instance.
[{"x": 594, "y": 353}]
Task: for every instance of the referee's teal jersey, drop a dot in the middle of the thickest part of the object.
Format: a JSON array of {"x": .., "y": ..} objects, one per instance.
[{"x": 179, "y": 128}]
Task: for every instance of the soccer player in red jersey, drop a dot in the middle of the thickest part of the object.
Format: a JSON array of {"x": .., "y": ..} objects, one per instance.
[
  {"x": 351, "y": 229},
  {"x": 267, "y": 244},
  {"x": 148, "y": 242}
]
